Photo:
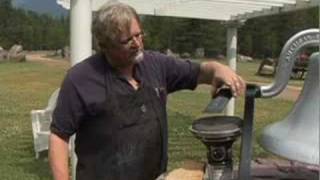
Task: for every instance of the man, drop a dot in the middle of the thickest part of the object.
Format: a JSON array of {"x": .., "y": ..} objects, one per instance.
[{"x": 115, "y": 102}]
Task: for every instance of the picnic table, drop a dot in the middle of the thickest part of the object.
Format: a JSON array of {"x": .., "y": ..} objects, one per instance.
[{"x": 268, "y": 66}]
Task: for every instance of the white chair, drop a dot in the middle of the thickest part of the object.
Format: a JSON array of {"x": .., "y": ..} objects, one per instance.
[{"x": 41, "y": 120}]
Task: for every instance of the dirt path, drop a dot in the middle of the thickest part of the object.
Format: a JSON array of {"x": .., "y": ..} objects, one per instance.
[
  {"x": 42, "y": 57},
  {"x": 290, "y": 93}
]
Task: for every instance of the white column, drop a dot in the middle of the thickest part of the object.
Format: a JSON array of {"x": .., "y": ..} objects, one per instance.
[
  {"x": 80, "y": 45},
  {"x": 232, "y": 59},
  {"x": 80, "y": 27}
]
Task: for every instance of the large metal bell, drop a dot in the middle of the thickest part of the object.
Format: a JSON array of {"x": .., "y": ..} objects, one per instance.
[{"x": 297, "y": 136}]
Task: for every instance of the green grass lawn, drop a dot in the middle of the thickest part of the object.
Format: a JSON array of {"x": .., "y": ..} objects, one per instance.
[
  {"x": 23, "y": 87},
  {"x": 27, "y": 86}
]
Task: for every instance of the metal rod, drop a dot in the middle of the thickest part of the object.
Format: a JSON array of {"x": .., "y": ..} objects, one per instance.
[{"x": 247, "y": 129}]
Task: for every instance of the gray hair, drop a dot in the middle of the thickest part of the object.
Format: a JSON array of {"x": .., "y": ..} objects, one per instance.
[{"x": 110, "y": 21}]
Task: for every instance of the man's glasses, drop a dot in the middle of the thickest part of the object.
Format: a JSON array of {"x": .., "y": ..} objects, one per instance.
[{"x": 129, "y": 41}]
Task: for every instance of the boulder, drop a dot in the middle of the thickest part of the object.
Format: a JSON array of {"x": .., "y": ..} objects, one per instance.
[
  {"x": 3, "y": 55},
  {"x": 199, "y": 53},
  {"x": 221, "y": 57},
  {"x": 243, "y": 58},
  {"x": 185, "y": 55},
  {"x": 15, "y": 50},
  {"x": 16, "y": 54},
  {"x": 172, "y": 54},
  {"x": 66, "y": 52},
  {"x": 21, "y": 57},
  {"x": 59, "y": 52}
]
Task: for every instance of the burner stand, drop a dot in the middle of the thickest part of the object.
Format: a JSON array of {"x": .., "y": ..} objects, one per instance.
[{"x": 218, "y": 133}]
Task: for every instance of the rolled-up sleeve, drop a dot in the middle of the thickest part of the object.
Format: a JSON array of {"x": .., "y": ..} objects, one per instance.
[
  {"x": 180, "y": 74},
  {"x": 68, "y": 112}
]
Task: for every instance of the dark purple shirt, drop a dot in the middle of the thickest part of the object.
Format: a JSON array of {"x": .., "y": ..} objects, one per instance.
[
  {"x": 83, "y": 94},
  {"x": 85, "y": 85}
]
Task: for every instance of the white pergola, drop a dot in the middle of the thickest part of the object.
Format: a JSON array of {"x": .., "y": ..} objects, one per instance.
[{"x": 232, "y": 12}]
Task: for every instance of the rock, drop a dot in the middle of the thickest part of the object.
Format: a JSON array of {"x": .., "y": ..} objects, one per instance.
[
  {"x": 16, "y": 54},
  {"x": 3, "y": 55},
  {"x": 243, "y": 58},
  {"x": 21, "y": 57},
  {"x": 66, "y": 52},
  {"x": 221, "y": 57},
  {"x": 185, "y": 55},
  {"x": 59, "y": 52},
  {"x": 199, "y": 53},
  {"x": 14, "y": 50},
  {"x": 171, "y": 54}
]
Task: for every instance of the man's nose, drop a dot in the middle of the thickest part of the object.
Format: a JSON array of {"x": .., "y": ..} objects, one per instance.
[{"x": 136, "y": 42}]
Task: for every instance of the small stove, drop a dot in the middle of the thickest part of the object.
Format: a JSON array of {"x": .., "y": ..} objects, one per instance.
[{"x": 218, "y": 133}]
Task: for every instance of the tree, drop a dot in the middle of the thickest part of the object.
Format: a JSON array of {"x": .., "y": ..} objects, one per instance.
[
  {"x": 265, "y": 36},
  {"x": 32, "y": 30}
]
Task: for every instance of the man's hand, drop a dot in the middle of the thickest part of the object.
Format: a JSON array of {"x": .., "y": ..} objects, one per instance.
[{"x": 219, "y": 75}]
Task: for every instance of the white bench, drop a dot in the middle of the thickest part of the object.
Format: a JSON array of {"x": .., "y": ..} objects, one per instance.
[{"x": 41, "y": 120}]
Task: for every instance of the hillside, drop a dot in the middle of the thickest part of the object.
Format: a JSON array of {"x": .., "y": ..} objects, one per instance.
[{"x": 41, "y": 6}]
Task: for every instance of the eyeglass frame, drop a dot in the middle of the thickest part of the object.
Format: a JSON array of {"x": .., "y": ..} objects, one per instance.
[{"x": 129, "y": 41}]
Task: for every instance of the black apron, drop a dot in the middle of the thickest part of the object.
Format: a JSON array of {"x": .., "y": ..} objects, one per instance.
[{"x": 122, "y": 138}]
